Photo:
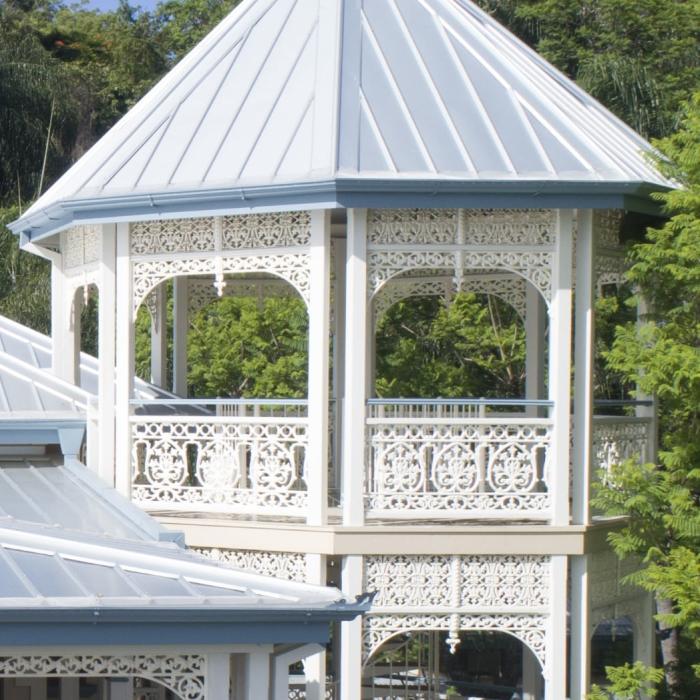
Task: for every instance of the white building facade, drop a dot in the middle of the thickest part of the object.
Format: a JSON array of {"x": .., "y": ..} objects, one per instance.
[{"x": 356, "y": 154}]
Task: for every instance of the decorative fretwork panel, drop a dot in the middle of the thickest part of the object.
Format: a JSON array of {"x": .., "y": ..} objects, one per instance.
[
  {"x": 531, "y": 629},
  {"x": 606, "y": 224},
  {"x": 201, "y": 292},
  {"x": 292, "y": 267},
  {"x": 423, "y": 226},
  {"x": 478, "y": 583},
  {"x": 616, "y": 439},
  {"x": 290, "y": 566},
  {"x": 509, "y": 288},
  {"x": 80, "y": 246},
  {"x": 533, "y": 266},
  {"x": 184, "y": 674},
  {"x": 480, "y": 467},
  {"x": 242, "y": 231},
  {"x": 241, "y": 464},
  {"x": 489, "y": 227}
]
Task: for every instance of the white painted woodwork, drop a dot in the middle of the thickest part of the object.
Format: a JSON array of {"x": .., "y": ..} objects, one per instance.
[
  {"x": 580, "y": 668},
  {"x": 315, "y": 665},
  {"x": 180, "y": 328},
  {"x": 122, "y": 689},
  {"x": 351, "y": 633},
  {"x": 107, "y": 353},
  {"x": 584, "y": 341},
  {"x": 319, "y": 350},
  {"x": 555, "y": 673},
  {"x": 257, "y": 685},
  {"x": 219, "y": 676},
  {"x": 356, "y": 344},
  {"x": 339, "y": 250},
  {"x": 159, "y": 338},
  {"x": 124, "y": 360},
  {"x": 532, "y": 676},
  {"x": 535, "y": 343},
  {"x": 560, "y": 367},
  {"x": 70, "y": 689}
]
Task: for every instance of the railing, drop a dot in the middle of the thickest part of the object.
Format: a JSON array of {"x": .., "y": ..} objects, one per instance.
[
  {"x": 248, "y": 456},
  {"x": 618, "y": 438},
  {"x": 457, "y": 458}
]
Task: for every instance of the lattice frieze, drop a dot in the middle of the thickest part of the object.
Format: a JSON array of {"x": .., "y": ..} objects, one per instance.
[
  {"x": 80, "y": 246},
  {"x": 508, "y": 226},
  {"x": 423, "y": 226},
  {"x": 475, "y": 468},
  {"x": 607, "y": 576},
  {"x": 273, "y": 230},
  {"x": 183, "y": 674},
  {"x": 200, "y": 293},
  {"x": 290, "y": 566},
  {"x": 616, "y": 440},
  {"x": 534, "y": 266},
  {"x": 172, "y": 236},
  {"x": 531, "y": 629},
  {"x": 291, "y": 267},
  {"x": 459, "y": 582},
  {"x": 606, "y": 224},
  {"x": 249, "y": 465}
]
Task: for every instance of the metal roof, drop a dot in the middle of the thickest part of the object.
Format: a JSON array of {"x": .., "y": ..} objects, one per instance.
[
  {"x": 333, "y": 101},
  {"x": 43, "y": 491}
]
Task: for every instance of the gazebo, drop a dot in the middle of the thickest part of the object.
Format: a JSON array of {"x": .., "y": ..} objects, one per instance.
[{"x": 356, "y": 153}]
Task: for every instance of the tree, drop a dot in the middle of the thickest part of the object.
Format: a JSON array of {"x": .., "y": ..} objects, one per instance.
[{"x": 662, "y": 356}]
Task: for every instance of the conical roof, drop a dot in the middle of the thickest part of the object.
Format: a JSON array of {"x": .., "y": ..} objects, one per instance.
[{"x": 354, "y": 103}]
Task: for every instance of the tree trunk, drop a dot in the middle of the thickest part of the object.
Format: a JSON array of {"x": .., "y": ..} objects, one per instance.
[{"x": 669, "y": 645}]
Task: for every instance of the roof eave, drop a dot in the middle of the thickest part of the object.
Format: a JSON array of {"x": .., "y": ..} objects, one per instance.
[{"x": 343, "y": 192}]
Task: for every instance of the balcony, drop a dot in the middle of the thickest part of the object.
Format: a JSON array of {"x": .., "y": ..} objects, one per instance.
[{"x": 431, "y": 459}]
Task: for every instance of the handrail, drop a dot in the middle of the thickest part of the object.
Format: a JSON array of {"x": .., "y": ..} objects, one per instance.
[
  {"x": 460, "y": 402},
  {"x": 219, "y": 402},
  {"x": 623, "y": 402}
]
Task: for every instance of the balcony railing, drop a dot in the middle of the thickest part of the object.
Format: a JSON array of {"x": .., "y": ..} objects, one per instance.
[
  {"x": 246, "y": 456},
  {"x": 457, "y": 459}
]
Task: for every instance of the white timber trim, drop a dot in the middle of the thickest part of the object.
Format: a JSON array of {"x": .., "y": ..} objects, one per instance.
[
  {"x": 580, "y": 623},
  {"x": 555, "y": 670},
  {"x": 180, "y": 327},
  {"x": 351, "y": 632}
]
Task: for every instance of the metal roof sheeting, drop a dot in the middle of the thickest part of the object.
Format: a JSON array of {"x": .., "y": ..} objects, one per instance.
[{"x": 293, "y": 92}]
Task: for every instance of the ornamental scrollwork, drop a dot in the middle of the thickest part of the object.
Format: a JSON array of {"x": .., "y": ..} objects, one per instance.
[
  {"x": 488, "y": 227},
  {"x": 291, "y": 267},
  {"x": 271, "y": 230},
  {"x": 201, "y": 293},
  {"x": 606, "y": 224},
  {"x": 241, "y": 464},
  {"x": 172, "y": 236},
  {"x": 618, "y": 439},
  {"x": 290, "y": 566},
  {"x": 184, "y": 674},
  {"x": 530, "y": 629},
  {"x": 423, "y": 226}
]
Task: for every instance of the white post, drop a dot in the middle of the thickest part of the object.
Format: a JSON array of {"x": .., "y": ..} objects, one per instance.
[
  {"x": 120, "y": 689},
  {"x": 180, "y": 327},
  {"x": 315, "y": 666},
  {"x": 644, "y": 640},
  {"x": 339, "y": 249},
  {"x": 534, "y": 346},
  {"x": 59, "y": 329},
  {"x": 580, "y": 628},
  {"x": 124, "y": 362},
  {"x": 70, "y": 689},
  {"x": 319, "y": 309},
  {"x": 560, "y": 368},
  {"x": 107, "y": 353},
  {"x": 257, "y": 675},
  {"x": 532, "y": 676},
  {"x": 159, "y": 338},
  {"x": 583, "y": 363},
  {"x": 351, "y": 633},
  {"x": 555, "y": 679},
  {"x": 218, "y": 679},
  {"x": 353, "y": 464}
]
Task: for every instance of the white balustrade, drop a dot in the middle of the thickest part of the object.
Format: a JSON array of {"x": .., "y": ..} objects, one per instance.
[
  {"x": 618, "y": 438},
  {"x": 452, "y": 459},
  {"x": 247, "y": 457}
]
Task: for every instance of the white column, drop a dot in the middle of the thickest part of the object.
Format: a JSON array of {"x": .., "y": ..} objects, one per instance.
[
  {"x": 107, "y": 353},
  {"x": 351, "y": 633},
  {"x": 70, "y": 689},
  {"x": 555, "y": 680},
  {"x": 339, "y": 249},
  {"x": 532, "y": 676},
  {"x": 218, "y": 678},
  {"x": 180, "y": 327},
  {"x": 353, "y": 464},
  {"x": 560, "y": 368},
  {"x": 65, "y": 328},
  {"x": 315, "y": 666},
  {"x": 319, "y": 309},
  {"x": 580, "y": 624},
  {"x": 644, "y": 640},
  {"x": 584, "y": 340},
  {"x": 124, "y": 362},
  {"x": 534, "y": 346},
  {"x": 120, "y": 689},
  {"x": 59, "y": 330},
  {"x": 257, "y": 675},
  {"x": 159, "y": 338}
]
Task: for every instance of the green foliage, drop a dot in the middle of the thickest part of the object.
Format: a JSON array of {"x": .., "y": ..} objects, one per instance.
[
  {"x": 239, "y": 347},
  {"x": 640, "y": 58},
  {"x": 470, "y": 348},
  {"x": 628, "y": 682}
]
